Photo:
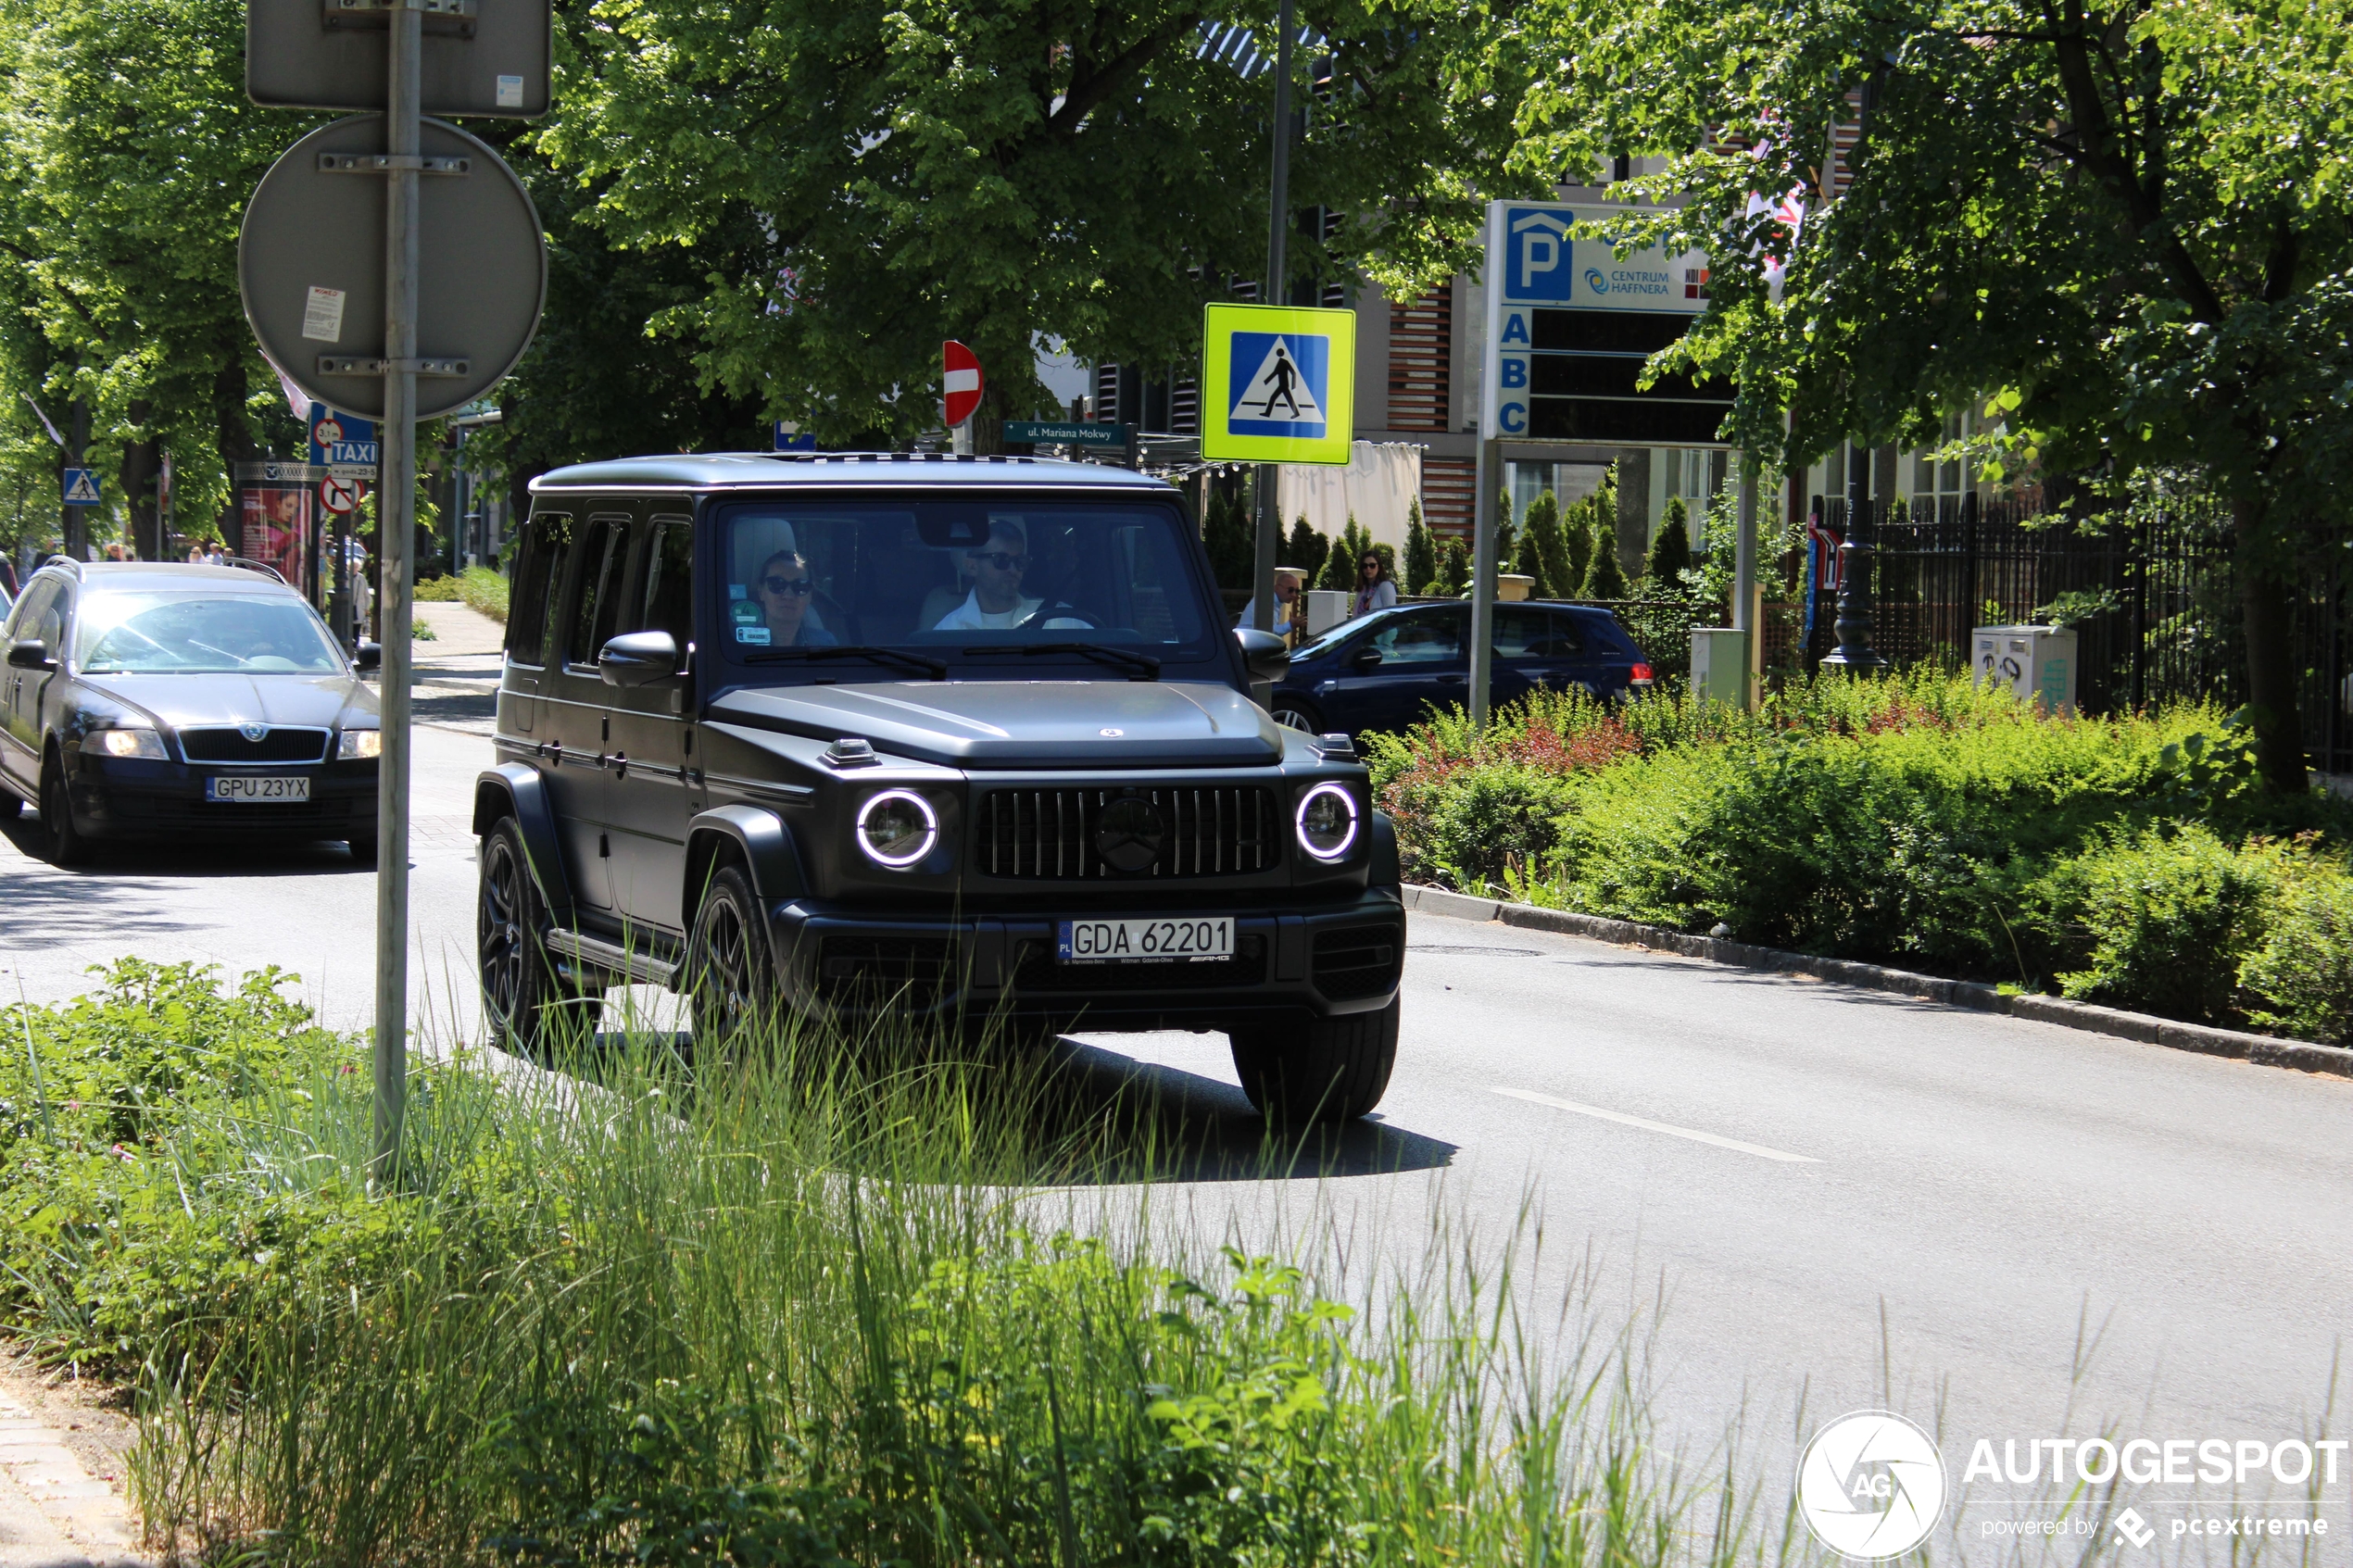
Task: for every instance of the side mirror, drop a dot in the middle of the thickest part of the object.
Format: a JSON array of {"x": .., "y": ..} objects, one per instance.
[
  {"x": 368, "y": 656},
  {"x": 30, "y": 653},
  {"x": 1266, "y": 655},
  {"x": 638, "y": 659},
  {"x": 1367, "y": 658}
]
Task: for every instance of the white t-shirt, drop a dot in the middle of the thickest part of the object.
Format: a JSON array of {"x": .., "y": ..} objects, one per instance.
[{"x": 970, "y": 616}]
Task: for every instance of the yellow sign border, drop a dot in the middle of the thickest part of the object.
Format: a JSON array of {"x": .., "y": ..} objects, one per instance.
[{"x": 1218, "y": 444}]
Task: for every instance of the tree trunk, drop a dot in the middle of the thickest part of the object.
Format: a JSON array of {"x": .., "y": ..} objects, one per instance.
[
  {"x": 234, "y": 437},
  {"x": 2272, "y": 697},
  {"x": 138, "y": 472}
]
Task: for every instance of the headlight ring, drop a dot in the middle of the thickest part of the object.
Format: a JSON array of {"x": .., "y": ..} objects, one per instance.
[
  {"x": 897, "y": 828},
  {"x": 1327, "y": 823}
]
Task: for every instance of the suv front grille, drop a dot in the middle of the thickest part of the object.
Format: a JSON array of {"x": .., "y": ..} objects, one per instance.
[
  {"x": 229, "y": 745},
  {"x": 1223, "y": 830}
]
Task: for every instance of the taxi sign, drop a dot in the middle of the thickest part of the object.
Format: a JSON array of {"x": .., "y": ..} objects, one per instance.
[{"x": 1277, "y": 384}]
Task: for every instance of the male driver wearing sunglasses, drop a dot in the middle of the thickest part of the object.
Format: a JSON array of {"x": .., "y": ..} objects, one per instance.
[
  {"x": 996, "y": 600},
  {"x": 784, "y": 589}
]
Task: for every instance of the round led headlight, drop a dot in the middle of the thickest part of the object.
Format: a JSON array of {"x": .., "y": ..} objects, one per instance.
[
  {"x": 1327, "y": 822},
  {"x": 897, "y": 828}
]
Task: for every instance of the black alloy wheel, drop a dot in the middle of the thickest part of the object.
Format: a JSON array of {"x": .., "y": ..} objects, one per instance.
[
  {"x": 1292, "y": 716},
  {"x": 531, "y": 1006},
  {"x": 1331, "y": 1069},
  {"x": 729, "y": 974},
  {"x": 65, "y": 845}
]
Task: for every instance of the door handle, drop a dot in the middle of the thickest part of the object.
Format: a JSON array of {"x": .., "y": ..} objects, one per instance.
[
  {"x": 1450, "y": 680},
  {"x": 621, "y": 764}
]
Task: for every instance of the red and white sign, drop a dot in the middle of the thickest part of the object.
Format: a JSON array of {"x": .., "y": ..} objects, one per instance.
[
  {"x": 960, "y": 381},
  {"x": 341, "y": 495},
  {"x": 327, "y": 431}
]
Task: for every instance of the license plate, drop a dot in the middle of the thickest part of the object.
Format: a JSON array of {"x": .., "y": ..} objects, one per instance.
[
  {"x": 1201, "y": 940},
  {"x": 246, "y": 787}
]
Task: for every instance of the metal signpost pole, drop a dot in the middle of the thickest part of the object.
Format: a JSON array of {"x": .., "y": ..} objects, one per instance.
[
  {"x": 1489, "y": 478},
  {"x": 1270, "y": 508},
  {"x": 1745, "y": 576},
  {"x": 395, "y": 509}
]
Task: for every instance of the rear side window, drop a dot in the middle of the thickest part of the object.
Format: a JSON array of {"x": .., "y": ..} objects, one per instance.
[
  {"x": 536, "y": 575},
  {"x": 597, "y": 608},
  {"x": 1533, "y": 633},
  {"x": 1422, "y": 639},
  {"x": 36, "y": 614},
  {"x": 668, "y": 603}
]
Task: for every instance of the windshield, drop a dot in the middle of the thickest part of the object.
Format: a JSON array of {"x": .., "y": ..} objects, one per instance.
[
  {"x": 969, "y": 582},
  {"x": 185, "y": 634}
]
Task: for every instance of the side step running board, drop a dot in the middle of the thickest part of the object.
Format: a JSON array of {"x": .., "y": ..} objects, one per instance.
[{"x": 613, "y": 957}]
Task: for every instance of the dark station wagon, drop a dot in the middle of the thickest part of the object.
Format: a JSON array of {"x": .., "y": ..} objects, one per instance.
[{"x": 832, "y": 733}]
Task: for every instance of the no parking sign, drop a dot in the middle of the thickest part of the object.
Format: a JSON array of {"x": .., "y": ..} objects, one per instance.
[{"x": 1277, "y": 384}]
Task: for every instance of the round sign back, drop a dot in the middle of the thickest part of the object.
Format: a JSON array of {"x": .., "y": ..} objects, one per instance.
[{"x": 310, "y": 264}]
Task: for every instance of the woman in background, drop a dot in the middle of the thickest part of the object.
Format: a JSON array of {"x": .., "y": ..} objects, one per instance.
[{"x": 1373, "y": 590}]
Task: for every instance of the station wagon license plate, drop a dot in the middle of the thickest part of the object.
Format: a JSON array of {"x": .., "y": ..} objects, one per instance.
[
  {"x": 1204, "y": 940},
  {"x": 245, "y": 787}
]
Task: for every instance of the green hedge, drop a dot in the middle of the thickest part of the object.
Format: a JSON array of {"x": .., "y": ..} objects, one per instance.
[{"x": 1917, "y": 821}]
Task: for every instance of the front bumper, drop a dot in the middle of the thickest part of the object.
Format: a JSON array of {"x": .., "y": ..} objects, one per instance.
[
  {"x": 135, "y": 797},
  {"x": 1317, "y": 962}
]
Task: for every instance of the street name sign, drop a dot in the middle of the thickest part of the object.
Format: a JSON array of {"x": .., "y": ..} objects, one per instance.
[
  {"x": 1069, "y": 432},
  {"x": 1277, "y": 384},
  {"x": 310, "y": 263},
  {"x": 1569, "y": 325},
  {"x": 485, "y": 58}
]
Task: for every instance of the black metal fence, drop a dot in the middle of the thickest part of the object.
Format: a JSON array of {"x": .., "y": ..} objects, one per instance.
[{"x": 2152, "y": 600}]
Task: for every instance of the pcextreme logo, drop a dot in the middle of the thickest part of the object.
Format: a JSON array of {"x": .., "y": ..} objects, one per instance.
[{"x": 1870, "y": 1485}]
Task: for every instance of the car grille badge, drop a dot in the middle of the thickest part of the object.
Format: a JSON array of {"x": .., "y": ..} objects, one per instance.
[{"x": 253, "y": 733}]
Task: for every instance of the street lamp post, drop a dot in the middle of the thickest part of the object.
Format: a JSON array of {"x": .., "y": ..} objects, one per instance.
[{"x": 1859, "y": 555}]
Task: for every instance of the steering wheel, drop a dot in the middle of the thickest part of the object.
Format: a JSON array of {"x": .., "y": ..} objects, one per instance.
[{"x": 1060, "y": 612}]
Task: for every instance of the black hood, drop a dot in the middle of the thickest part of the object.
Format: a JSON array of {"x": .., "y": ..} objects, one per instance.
[
  {"x": 296, "y": 701},
  {"x": 1024, "y": 723}
]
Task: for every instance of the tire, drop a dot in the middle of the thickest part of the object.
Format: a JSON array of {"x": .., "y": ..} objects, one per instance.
[
  {"x": 1334, "y": 1070},
  {"x": 531, "y": 1008},
  {"x": 11, "y": 803},
  {"x": 1290, "y": 716},
  {"x": 730, "y": 979},
  {"x": 64, "y": 843},
  {"x": 363, "y": 850}
]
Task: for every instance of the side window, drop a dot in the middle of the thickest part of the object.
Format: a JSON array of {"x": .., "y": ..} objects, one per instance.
[
  {"x": 1534, "y": 633},
  {"x": 537, "y": 575},
  {"x": 26, "y": 619},
  {"x": 1421, "y": 639},
  {"x": 601, "y": 553},
  {"x": 668, "y": 603}
]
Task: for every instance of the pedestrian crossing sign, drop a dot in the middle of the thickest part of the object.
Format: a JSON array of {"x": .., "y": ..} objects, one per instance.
[
  {"x": 81, "y": 487},
  {"x": 1277, "y": 384}
]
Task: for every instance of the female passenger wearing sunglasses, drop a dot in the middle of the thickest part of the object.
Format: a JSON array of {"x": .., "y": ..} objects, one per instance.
[{"x": 783, "y": 589}]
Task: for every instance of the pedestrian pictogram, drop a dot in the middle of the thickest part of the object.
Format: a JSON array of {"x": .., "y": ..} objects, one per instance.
[
  {"x": 81, "y": 487},
  {"x": 958, "y": 381},
  {"x": 1277, "y": 384},
  {"x": 339, "y": 494}
]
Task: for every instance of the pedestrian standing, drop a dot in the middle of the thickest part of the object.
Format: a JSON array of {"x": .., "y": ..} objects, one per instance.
[{"x": 1373, "y": 590}]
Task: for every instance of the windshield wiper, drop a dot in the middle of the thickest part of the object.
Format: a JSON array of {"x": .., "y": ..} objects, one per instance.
[
  {"x": 1143, "y": 665},
  {"x": 933, "y": 667}
]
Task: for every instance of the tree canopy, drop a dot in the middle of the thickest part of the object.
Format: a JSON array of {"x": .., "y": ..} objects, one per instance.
[{"x": 2124, "y": 227}]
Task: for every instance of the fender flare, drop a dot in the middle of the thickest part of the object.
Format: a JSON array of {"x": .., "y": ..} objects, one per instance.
[
  {"x": 756, "y": 834},
  {"x": 515, "y": 789},
  {"x": 1381, "y": 838}
]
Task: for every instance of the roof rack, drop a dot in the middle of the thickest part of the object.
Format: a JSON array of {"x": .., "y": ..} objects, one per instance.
[
  {"x": 895, "y": 457},
  {"x": 65, "y": 561},
  {"x": 251, "y": 565}
]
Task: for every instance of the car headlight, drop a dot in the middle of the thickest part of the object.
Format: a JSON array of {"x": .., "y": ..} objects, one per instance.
[
  {"x": 897, "y": 828},
  {"x": 1327, "y": 822},
  {"x": 359, "y": 745},
  {"x": 142, "y": 743}
]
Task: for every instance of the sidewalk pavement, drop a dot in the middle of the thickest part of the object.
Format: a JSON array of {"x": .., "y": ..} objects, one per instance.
[{"x": 53, "y": 1511}]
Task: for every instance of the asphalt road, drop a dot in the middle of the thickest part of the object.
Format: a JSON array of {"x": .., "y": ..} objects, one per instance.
[{"x": 1999, "y": 1228}]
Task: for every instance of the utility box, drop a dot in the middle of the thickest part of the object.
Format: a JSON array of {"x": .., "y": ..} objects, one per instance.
[
  {"x": 1326, "y": 608},
  {"x": 1719, "y": 665},
  {"x": 2032, "y": 661},
  {"x": 1510, "y": 587}
]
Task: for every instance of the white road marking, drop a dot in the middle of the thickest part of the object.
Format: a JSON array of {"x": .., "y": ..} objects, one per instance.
[{"x": 1619, "y": 1116}]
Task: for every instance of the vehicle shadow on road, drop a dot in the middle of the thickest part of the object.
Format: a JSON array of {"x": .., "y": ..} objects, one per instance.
[
  {"x": 130, "y": 861},
  {"x": 1143, "y": 1122}
]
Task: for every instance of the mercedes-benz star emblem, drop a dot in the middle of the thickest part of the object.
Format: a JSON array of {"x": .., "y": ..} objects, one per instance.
[
  {"x": 1108, "y": 732},
  {"x": 253, "y": 732},
  {"x": 1129, "y": 834}
]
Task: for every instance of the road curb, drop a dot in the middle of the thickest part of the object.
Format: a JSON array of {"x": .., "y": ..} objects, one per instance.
[{"x": 2265, "y": 1050}]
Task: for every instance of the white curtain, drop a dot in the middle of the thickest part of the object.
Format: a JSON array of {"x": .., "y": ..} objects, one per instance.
[{"x": 1379, "y": 486}]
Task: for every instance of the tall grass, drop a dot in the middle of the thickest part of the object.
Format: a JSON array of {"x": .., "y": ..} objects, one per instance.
[{"x": 842, "y": 1302}]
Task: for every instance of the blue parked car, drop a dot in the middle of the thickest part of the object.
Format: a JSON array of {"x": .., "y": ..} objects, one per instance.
[{"x": 1389, "y": 670}]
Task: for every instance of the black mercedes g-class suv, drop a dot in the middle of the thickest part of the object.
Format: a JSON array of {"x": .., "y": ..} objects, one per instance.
[{"x": 831, "y": 732}]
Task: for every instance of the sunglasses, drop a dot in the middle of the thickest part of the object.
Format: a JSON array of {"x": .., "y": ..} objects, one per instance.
[
  {"x": 799, "y": 586},
  {"x": 1002, "y": 561}
]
